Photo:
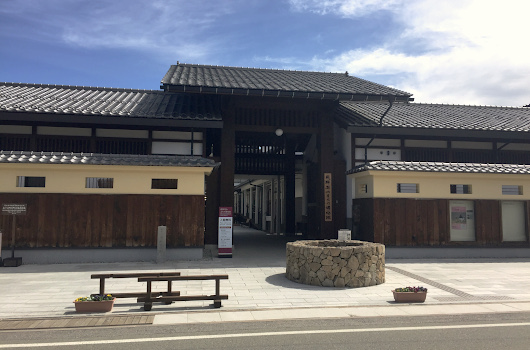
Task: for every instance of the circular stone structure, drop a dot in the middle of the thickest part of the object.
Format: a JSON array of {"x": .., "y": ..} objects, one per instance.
[{"x": 333, "y": 263}]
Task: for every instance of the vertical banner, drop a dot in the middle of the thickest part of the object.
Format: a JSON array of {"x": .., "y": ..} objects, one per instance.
[
  {"x": 328, "y": 198},
  {"x": 225, "y": 232}
]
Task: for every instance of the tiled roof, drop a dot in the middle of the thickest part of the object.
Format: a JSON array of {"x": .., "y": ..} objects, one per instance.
[
  {"x": 434, "y": 116},
  {"x": 17, "y": 157},
  {"x": 439, "y": 167},
  {"x": 273, "y": 82},
  {"x": 61, "y": 99}
]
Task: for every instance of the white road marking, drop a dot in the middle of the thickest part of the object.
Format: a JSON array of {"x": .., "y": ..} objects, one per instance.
[{"x": 262, "y": 334}]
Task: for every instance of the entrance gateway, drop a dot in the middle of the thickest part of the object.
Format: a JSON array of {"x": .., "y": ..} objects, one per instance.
[{"x": 277, "y": 145}]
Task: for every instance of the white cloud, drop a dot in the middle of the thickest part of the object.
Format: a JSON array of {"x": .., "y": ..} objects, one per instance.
[
  {"x": 473, "y": 51},
  {"x": 158, "y": 27},
  {"x": 344, "y": 8}
]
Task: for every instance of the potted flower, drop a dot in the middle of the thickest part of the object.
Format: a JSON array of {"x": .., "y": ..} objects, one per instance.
[
  {"x": 410, "y": 294},
  {"x": 95, "y": 303}
]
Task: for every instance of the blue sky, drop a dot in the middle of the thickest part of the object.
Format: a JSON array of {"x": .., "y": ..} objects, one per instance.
[{"x": 451, "y": 51}]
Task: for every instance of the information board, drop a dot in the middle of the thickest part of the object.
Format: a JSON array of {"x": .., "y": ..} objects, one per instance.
[
  {"x": 14, "y": 209},
  {"x": 225, "y": 232}
]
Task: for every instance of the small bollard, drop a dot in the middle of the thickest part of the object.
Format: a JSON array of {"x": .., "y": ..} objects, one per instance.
[{"x": 161, "y": 245}]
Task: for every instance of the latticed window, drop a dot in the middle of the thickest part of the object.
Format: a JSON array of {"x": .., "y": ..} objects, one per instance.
[
  {"x": 31, "y": 181},
  {"x": 512, "y": 190},
  {"x": 407, "y": 188},
  {"x": 461, "y": 189},
  {"x": 99, "y": 182}
]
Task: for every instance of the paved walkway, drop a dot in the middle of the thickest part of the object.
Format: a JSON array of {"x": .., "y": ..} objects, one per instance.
[{"x": 41, "y": 296}]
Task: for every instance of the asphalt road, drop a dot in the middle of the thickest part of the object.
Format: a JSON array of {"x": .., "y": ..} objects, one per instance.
[{"x": 470, "y": 332}]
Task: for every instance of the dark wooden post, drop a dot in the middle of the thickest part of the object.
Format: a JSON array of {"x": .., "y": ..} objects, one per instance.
[
  {"x": 289, "y": 178},
  {"x": 326, "y": 176},
  {"x": 227, "y": 160}
]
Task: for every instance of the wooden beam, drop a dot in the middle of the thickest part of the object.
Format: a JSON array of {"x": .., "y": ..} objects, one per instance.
[
  {"x": 325, "y": 147},
  {"x": 289, "y": 177},
  {"x": 227, "y": 168}
]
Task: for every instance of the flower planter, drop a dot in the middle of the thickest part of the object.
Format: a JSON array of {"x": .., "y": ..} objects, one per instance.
[
  {"x": 409, "y": 297},
  {"x": 94, "y": 306}
]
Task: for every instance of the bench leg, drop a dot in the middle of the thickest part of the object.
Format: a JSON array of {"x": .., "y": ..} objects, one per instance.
[
  {"x": 102, "y": 286},
  {"x": 148, "y": 306},
  {"x": 217, "y": 303},
  {"x": 169, "y": 292}
]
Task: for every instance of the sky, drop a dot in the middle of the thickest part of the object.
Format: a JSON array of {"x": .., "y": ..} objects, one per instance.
[{"x": 472, "y": 52}]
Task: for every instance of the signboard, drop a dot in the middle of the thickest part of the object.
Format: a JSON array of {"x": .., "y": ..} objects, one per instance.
[
  {"x": 225, "y": 232},
  {"x": 328, "y": 198},
  {"x": 458, "y": 218},
  {"x": 462, "y": 219},
  {"x": 14, "y": 209}
]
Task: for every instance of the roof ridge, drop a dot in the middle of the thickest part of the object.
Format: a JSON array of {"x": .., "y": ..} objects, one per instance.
[
  {"x": 79, "y": 87},
  {"x": 464, "y": 105},
  {"x": 432, "y": 104},
  {"x": 255, "y": 68},
  {"x": 32, "y": 157},
  {"x": 441, "y": 167}
]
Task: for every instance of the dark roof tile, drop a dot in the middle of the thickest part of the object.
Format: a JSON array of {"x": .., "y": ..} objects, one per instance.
[
  {"x": 18, "y": 157},
  {"x": 61, "y": 99},
  {"x": 220, "y": 77},
  {"x": 442, "y": 167},
  {"x": 434, "y": 116}
]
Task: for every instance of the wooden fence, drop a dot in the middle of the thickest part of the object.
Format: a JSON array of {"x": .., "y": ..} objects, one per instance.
[
  {"x": 76, "y": 220},
  {"x": 418, "y": 222}
]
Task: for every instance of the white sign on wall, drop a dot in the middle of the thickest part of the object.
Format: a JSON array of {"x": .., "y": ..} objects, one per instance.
[
  {"x": 462, "y": 219},
  {"x": 225, "y": 232}
]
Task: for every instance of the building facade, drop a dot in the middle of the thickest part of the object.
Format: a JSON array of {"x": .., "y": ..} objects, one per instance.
[{"x": 275, "y": 145}]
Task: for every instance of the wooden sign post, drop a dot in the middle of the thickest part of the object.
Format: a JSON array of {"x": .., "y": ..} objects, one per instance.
[
  {"x": 13, "y": 209},
  {"x": 225, "y": 232}
]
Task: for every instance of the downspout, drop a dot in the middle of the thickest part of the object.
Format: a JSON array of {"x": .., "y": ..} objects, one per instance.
[{"x": 390, "y": 101}]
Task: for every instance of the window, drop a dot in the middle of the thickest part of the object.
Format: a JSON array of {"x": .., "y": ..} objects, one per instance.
[
  {"x": 363, "y": 188},
  {"x": 512, "y": 189},
  {"x": 31, "y": 181},
  {"x": 167, "y": 184},
  {"x": 461, "y": 189},
  {"x": 407, "y": 188},
  {"x": 99, "y": 182}
]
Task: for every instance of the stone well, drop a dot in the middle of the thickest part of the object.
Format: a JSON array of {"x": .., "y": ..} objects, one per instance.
[{"x": 333, "y": 263}]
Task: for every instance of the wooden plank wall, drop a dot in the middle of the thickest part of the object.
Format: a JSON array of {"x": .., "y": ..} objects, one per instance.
[
  {"x": 488, "y": 221},
  {"x": 75, "y": 220},
  {"x": 417, "y": 222}
]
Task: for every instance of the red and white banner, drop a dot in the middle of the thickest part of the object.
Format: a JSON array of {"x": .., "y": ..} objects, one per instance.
[{"x": 225, "y": 232}]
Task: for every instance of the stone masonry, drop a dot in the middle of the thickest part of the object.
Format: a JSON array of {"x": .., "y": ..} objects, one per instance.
[{"x": 333, "y": 263}]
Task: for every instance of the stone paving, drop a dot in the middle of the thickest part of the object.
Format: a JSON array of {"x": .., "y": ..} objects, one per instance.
[{"x": 258, "y": 289}]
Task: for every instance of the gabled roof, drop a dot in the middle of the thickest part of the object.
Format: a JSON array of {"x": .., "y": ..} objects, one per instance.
[
  {"x": 274, "y": 82},
  {"x": 96, "y": 101},
  {"x": 433, "y": 116},
  {"x": 21, "y": 157},
  {"x": 439, "y": 167}
]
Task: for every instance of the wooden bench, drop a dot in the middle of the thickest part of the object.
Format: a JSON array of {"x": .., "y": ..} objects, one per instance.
[
  {"x": 151, "y": 297},
  {"x": 103, "y": 276}
]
